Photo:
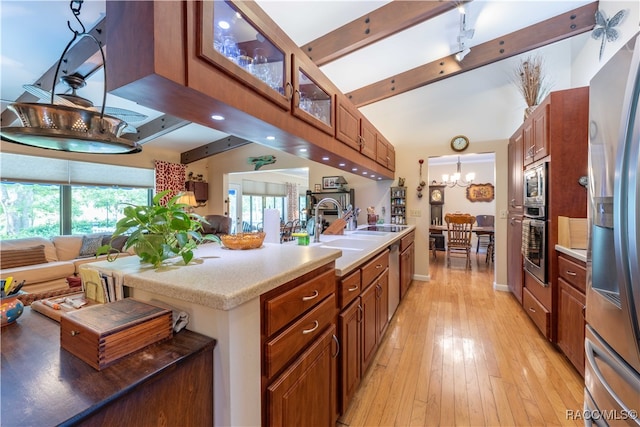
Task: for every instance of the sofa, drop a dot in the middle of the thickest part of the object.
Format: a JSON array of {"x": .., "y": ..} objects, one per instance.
[
  {"x": 217, "y": 224},
  {"x": 48, "y": 265}
]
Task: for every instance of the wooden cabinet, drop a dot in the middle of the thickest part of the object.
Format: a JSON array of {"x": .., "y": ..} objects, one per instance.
[
  {"x": 515, "y": 183},
  {"x": 262, "y": 83},
  {"x": 362, "y": 322},
  {"x": 398, "y": 196},
  {"x": 300, "y": 350},
  {"x": 347, "y": 123},
  {"x": 368, "y": 139},
  {"x": 245, "y": 51},
  {"x": 350, "y": 320},
  {"x": 537, "y": 312},
  {"x": 305, "y": 393},
  {"x": 407, "y": 262},
  {"x": 514, "y": 256},
  {"x": 312, "y": 101},
  {"x": 385, "y": 155},
  {"x": 536, "y": 133},
  {"x": 571, "y": 306},
  {"x": 556, "y": 133}
]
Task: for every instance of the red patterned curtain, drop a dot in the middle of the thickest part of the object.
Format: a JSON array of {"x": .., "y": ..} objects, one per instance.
[{"x": 169, "y": 176}]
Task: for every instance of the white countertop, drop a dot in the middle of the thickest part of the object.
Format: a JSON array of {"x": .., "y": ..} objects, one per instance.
[
  {"x": 224, "y": 279},
  {"x": 579, "y": 254}
]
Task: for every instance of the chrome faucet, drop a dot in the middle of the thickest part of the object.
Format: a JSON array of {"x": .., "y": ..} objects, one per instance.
[{"x": 317, "y": 218}]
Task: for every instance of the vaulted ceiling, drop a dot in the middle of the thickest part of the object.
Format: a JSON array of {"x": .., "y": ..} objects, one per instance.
[{"x": 384, "y": 55}]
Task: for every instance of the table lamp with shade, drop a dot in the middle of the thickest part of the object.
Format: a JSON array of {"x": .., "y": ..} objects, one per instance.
[{"x": 188, "y": 198}]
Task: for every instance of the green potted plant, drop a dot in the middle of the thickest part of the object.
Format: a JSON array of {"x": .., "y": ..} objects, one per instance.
[{"x": 159, "y": 232}]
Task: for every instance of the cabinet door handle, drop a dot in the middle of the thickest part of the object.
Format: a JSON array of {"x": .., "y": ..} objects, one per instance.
[
  {"x": 310, "y": 297},
  {"x": 571, "y": 273},
  {"x": 513, "y": 203},
  {"x": 308, "y": 331},
  {"x": 362, "y": 141},
  {"x": 335, "y": 338},
  {"x": 360, "y": 310},
  {"x": 584, "y": 312},
  {"x": 355, "y": 288},
  {"x": 289, "y": 92},
  {"x": 296, "y": 91}
]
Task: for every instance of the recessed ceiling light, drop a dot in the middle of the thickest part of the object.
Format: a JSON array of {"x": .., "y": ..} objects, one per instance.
[
  {"x": 303, "y": 150},
  {"x": 379, "y": 178},
  {"x": 342, "y": 165},
  {"x": 364, "y": 173},
  {"x": 271, "y": 137},
  {"x": 224, "y": 25},
  {"x": 325, "y": 158},
  {"x": 354, "y": 169},
  {"x": 373, "y": 176},
  {"x": 217, "y": 117}
]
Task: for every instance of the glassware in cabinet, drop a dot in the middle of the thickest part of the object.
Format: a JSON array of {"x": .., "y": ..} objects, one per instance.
[{"x": 231, "y": 37}]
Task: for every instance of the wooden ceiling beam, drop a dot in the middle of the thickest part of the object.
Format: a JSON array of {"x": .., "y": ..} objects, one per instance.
[
  {"x": 372, "y": 27},
  {"x": 558, "y": 28}
]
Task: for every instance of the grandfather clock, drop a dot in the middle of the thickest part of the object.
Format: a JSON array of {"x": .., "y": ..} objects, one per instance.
[{"x": 436, "y": 200}]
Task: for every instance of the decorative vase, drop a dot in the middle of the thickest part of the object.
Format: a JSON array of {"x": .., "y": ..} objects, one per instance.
[
  {"x": 11, "y": 308},
  {"x": 529, "y": 110}
]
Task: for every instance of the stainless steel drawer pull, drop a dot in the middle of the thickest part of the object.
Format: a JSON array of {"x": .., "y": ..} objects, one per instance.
[
  {"x": 309, "y": 298},
  {"x": 571, "y": 273},
  {"x": 532, "y": 309},
  {"x": 308, "y": 331},
  {"x": 355, "y": 288},
  {"x": 378, "y": 265}
]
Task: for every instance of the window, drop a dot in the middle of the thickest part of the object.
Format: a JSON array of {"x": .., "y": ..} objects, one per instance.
[
  {"x": 253, "y": 210},
  {"x": 29, "y": 210},
  {"x": 45, "y": 197}
]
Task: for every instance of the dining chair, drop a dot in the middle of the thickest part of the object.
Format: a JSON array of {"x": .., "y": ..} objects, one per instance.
[
  {"x": 459, "y": 229},
  {"x": 485, "y": 238}
]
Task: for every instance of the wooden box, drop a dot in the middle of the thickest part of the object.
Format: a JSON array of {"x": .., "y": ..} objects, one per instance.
[
  {"x": 572, "y": 232},
  {"x": 101, "y": 334}
]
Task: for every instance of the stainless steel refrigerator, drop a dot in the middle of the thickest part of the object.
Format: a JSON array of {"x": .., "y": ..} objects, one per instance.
[{"x": 612, "y": 344}]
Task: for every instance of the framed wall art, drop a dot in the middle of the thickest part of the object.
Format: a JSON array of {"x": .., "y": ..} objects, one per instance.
[
  {"x": 480, "y": 192},
  {"x": 330, "y": 183}
]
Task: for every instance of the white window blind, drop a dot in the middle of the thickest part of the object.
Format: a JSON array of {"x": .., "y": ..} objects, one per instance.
[
  {"x": 21, "y": 168},
  {"x": 261, "y": 188}
]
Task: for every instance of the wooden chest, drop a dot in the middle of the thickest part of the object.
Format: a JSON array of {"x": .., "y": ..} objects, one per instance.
[{"x": 101, "y": 334}]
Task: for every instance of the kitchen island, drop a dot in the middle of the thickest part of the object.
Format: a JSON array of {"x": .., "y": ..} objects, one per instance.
[{"x": 220, "y": 291}]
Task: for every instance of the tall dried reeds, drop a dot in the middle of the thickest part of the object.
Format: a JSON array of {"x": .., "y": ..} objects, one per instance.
[{"x": 530, "y": 80}]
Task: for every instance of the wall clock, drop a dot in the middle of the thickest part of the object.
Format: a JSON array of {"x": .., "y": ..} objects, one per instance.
[
  {"x": 436, "y": 194},
  {"x": 459, "y": 143}
]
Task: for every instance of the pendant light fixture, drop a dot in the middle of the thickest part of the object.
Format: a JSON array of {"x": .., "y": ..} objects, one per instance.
[
  {"x": 456, "y": 178},
  {"x": 70, "y": 128}
]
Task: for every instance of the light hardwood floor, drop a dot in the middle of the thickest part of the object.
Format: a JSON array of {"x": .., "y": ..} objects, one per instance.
[{"x": 459, "y": 353}]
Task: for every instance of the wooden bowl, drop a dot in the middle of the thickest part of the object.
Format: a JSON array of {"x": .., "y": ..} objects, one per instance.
[{"x": 243, "y": 240}]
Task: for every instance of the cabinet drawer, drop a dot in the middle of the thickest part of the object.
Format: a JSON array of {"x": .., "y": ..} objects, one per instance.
[
  {"x": 349, "y": 288},
  {"x": 373, "y": 268},
  {"x": 292, "y": 340},
  {"x": 407, "y": 240},
  {"x": 285, "y": 308},
  {"x": 573, "y": 273},
  {"x": 536, "y": 311}
]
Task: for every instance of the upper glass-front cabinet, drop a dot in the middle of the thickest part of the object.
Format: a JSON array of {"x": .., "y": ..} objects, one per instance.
[
  {"x": 230, "y": 41},
  {"x": 311, "y": 102}
]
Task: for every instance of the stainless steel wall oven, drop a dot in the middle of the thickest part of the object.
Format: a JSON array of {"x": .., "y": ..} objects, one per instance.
[
  {"x": 534, "y": 248},
  {"x": 534, "y": 224}
]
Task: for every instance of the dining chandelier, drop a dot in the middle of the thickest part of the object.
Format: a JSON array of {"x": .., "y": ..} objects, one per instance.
[{"x": 456, "y": 178}]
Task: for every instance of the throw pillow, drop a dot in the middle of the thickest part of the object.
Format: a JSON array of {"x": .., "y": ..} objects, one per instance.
[
  {"x": 11, "y": 258},
  {"x": 90, "y": 245},
  {"x": 117, "y": 242}
]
